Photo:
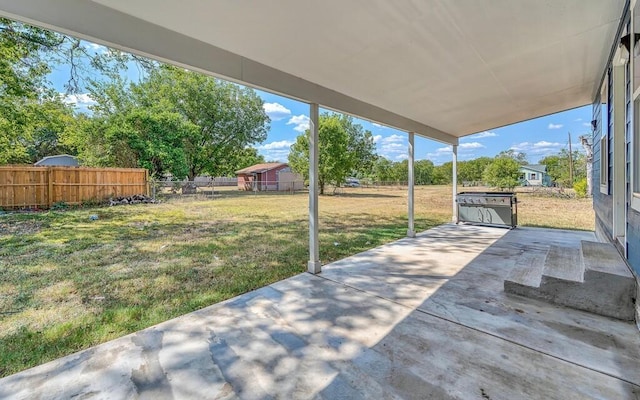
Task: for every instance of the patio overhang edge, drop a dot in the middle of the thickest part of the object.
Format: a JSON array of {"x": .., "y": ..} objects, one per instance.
[{"x": 99, "y": 24}]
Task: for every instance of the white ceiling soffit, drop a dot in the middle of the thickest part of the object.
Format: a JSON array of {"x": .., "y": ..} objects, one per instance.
[{"x": 432, "y": 67}]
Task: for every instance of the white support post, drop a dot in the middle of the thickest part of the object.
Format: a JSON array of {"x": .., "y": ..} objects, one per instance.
[
  {"x": 313, "y": 266},
  {"x": 454, "y": 180},
  {"x": 411, "y": 229}
]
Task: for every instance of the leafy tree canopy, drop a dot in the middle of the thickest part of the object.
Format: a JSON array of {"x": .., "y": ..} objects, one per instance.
[
  {"x": 344, "y": 149},
  {"x": 174, "y": 121},
  {"x": 33, "y": 117},
  {"x": 503, "y": 173},
  {"x": 520, "y": 158},
  {"x": 559, "y": 170}
]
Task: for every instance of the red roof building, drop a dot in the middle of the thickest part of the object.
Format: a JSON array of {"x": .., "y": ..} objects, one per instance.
[{"x": 269, "y": 176}]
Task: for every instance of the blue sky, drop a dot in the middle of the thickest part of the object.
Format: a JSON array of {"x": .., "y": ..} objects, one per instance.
[{"x": 537, "y": 138}]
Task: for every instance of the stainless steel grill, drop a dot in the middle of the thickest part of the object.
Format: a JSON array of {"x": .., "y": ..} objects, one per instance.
[{"x": 488, "y": 208}]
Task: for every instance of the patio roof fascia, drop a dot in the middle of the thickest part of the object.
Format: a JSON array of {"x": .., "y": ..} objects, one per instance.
[
  {"x": 103, "y": 25},
  {"x": 624, "y": 18}
]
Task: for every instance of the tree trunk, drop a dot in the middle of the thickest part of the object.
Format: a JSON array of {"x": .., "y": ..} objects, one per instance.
[{"x": 588, "y": 147}]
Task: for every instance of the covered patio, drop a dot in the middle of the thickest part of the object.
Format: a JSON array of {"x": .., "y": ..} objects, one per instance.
[
  {"x": 423, "y": 317},
  {"x": 418, "y": 318},
  {"x": 438, "y": 69}
]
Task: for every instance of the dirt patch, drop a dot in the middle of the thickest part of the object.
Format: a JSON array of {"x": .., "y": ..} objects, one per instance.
[{"x": 20, "y": 228}]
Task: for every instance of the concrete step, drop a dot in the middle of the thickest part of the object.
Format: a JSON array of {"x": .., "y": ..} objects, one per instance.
[
  {"x": 604, "y": 258},
  {"x": 609, "y": 281},
  {"x": 524, "y": 278},
  {"x": 561, "y": 277},
  {"x": 563, "y": 263},
  {"x": 594, "y": 278}
]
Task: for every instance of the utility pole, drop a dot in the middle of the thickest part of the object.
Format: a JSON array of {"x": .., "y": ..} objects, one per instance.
[{"x": 570, "y": 163}]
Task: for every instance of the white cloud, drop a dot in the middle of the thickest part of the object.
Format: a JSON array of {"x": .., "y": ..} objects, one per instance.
[
  {"x": 301, "y": 123},
  {"x": 276, "y": 151},
  {"x": 401, "y": 157},
  {"x": 538, "y": 149},
  {"x": 276, "y": 111},
  {"x": 577, "y": 120},
  {"x": 472, "y": 145},
  {"x": 480, "y": 135},
  {"x": 282, "y": 144},
  {"x": 554, "y": 126},
  {"x": 80, "y": 101},
  {"x": 393, "y": 147},
  {"x": 440, "y": 155},
  {"x": 465, "y": 151},
  {"x": 98, "y": 48},
  {"x": 280, "y": 155},
  {"x": 587, "y": 124},
  {"x": 543, "y": 143},
  {"x": 395, "y": 138},
  {"x": 376, "y": 125}
]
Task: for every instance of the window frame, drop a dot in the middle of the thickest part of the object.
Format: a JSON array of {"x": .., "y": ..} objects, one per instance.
[
  {"x": 604, "y": 162},
  {"x": 634, "y": 173},
  {"x": 634, "y": 177}
]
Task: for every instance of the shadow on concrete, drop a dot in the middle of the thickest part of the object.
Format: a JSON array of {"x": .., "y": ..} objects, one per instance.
[{"x": 417, "y": 318}]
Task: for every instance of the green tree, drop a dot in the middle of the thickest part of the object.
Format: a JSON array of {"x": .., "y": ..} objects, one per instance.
[
  {"x": 174, "y": 121},
  {"x": 228, "y": 117},
  {"x": 33, "y": 130},
  {"x": 343, "y": 147},
  {"x": 423, "y": 172},
  {"x": 32, "y": 116},
  {"x": 555, "y": 167},
  {"x": 400, "y": 171},
  {"x": 443, "y": 174},
  {"x": 520, "y": 158},
  {"x": 558, "y": 167},
  {"x": 23, "y": 68},
  {"x": 503, "y": 173},
  {"x": 472, "y": 170},
  {"x": 382, "y": 170},
  {"x": 240, "y": 159}
]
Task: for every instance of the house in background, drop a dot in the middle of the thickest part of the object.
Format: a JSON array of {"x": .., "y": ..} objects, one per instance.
[
  {"x": 60, "y": 160},
  {"x": 269, "y": 176},
  {"x": 534, "y": 175}
]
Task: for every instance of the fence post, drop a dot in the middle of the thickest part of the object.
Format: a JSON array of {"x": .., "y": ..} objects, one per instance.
[
  {"x": 146, "y": 179},
  {"x": 50, "y": 186}
]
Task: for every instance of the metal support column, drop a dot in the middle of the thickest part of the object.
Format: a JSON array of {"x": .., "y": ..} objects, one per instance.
[
  {"x": 313, "y": 266},
  {"x": 411, "y": 230},
  {"x": 454, "y": 180}
]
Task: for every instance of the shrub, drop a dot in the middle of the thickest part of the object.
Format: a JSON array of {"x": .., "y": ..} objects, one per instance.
[
  {"x": 581, "y": 187},
  {"x": 59, "y": 205}
]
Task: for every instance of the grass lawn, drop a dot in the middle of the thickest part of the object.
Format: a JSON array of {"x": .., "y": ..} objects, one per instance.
[{"x": 69, "y": 282}]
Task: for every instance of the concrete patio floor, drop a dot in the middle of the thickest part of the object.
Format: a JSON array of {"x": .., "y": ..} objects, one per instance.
[{"x": 423, "y": 318}]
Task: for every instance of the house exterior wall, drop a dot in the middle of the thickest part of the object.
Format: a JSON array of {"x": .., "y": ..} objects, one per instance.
[
  {"x": 290, "y": 181},
  {"x": 618, "y": 102},
  {"x": 602, "y": 199},
  {"x": 277, "y": 179},
  {"x": 269, "y": 180},
  {"x": 541, "y": 179},
  {"x": 245, "y": 182}
]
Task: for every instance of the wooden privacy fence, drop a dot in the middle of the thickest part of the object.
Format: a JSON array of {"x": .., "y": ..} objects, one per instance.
[{"x": 41, "y": 187}]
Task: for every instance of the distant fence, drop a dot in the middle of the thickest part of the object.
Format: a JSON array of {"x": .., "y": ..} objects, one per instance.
[
  {"x": 41, "y": 187},
  {"x": 212, "y": 189}
]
